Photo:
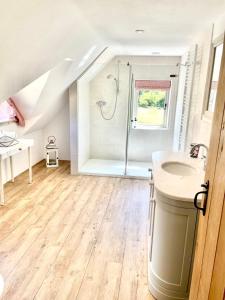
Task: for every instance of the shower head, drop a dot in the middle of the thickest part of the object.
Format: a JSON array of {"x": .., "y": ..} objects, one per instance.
[{"x": 110, "y": 76}]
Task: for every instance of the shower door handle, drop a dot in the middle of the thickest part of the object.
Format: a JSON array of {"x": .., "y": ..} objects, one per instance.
[{"x": 135, "y": 120}]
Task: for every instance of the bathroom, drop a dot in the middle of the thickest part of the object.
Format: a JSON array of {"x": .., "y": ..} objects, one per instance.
[{"x": 112, "y": 152}]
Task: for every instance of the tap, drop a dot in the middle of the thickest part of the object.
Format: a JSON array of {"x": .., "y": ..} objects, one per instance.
[{"x": 195, "y": 152}]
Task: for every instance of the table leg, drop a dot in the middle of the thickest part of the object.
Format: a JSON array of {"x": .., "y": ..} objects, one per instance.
[
  {"x": 29, "y": 163},
  {"x": 2, "y": 198},
  {"x": 11, "y": 168}
]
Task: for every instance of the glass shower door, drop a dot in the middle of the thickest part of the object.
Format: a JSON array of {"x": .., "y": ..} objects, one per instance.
[{"x": 152, "y": 104}]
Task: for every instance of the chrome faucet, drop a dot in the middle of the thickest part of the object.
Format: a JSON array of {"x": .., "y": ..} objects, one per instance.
[{"x": 195, "y": 152}]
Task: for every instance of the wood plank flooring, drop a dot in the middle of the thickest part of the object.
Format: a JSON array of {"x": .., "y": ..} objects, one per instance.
[{"x": 74, "y": 237}]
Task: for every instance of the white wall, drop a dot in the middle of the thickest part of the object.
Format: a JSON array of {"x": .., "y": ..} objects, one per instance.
[
  {"x": 79, "y": 103},
  {"x": 59, "y": 127},
  {"x": 108, "y": 137},
  {"x": 180, "y": 102},
  {"x": 219, "y": 26},
  {"x": 200, "y": 126},
  {"x": 197, "y": 132},
  {"x": 73, "y": 118},
  {"x": 83, "y": 121}
]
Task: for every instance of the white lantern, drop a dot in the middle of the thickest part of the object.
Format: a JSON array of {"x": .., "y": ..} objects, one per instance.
[{"x": 52, "y": 153}]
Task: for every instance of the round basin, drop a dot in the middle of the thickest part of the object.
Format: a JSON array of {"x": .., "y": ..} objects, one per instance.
[{"x": 178, "y": 168}]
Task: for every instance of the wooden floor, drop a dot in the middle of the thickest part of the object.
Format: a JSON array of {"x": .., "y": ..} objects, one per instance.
[{"x": 74, "y": 237}]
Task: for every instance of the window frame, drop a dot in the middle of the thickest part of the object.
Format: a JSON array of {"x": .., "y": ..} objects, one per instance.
[
  {"x": 165, "y": 125},
  {"x": 215, "y": 47},
  {"x": 207, "y": 115}
]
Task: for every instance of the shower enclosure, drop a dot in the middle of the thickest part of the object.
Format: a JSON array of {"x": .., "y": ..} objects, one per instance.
[{"x": 111, "y": 139}]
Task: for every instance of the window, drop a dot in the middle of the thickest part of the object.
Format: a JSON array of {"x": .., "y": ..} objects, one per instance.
[
  {"x": 151, "y": 105},
  {"x": 215, "y": 77}
]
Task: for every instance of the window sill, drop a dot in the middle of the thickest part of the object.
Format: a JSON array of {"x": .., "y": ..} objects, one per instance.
[{"x": 151, "y": 128}]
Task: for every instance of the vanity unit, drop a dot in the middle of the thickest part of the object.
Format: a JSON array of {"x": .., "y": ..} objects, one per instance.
[{"x": 173, "y": 221}]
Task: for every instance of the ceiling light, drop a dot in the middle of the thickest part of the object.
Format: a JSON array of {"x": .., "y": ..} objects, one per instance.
[{"x": 139, "y": 31}]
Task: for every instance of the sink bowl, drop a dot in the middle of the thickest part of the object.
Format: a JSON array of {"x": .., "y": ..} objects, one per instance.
[{"x": 178, "y": 168}]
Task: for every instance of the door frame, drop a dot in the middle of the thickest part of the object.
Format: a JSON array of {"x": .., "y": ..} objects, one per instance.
[{"x": 209, "y": 225}]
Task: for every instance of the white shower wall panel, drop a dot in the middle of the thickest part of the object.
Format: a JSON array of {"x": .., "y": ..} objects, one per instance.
[
  {"x": 83, "y": 122},
  {"x": 108, "y": 138}
]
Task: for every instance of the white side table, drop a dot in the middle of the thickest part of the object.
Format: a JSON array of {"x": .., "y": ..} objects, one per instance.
[{"x": 8, "y": 152}]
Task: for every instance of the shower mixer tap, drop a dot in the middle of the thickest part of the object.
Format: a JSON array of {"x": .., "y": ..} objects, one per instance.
[{"x": 101, "y": 103}]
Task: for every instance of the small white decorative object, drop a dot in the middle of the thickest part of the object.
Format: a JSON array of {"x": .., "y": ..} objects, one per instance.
[
  {"x": 8, "y": 138},
  {"x": 52, "y": 153}
]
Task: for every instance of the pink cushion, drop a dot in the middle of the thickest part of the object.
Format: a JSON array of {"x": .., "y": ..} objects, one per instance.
[{"x": 18, "y": 116}]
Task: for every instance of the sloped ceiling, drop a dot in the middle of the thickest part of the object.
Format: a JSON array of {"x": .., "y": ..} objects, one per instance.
[
  {"x": 36, "y": 36},
  {"x": 43, "y": 98},
  {"x": 46, "y": 45}
]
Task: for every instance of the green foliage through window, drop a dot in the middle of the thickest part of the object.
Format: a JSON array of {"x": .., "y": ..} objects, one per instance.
[
  {"x": 151, "y": 107},
  {"x": 151, "y": 98}
]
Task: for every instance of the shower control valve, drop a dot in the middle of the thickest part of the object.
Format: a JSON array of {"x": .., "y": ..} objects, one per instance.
[{"x": 101, "y": 103}]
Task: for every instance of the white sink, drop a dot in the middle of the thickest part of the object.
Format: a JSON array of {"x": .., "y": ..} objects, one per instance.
[{"x": 178, "y": 168}]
